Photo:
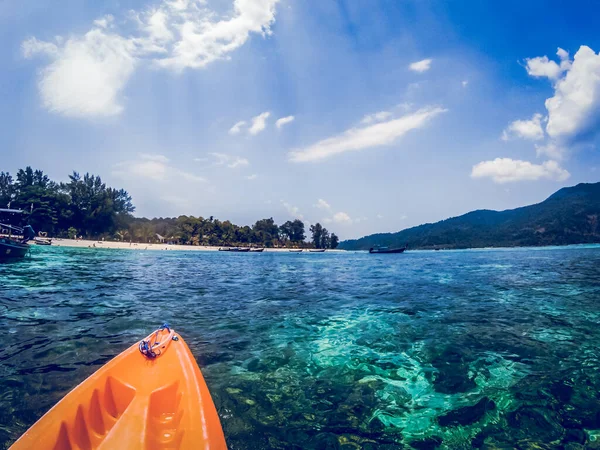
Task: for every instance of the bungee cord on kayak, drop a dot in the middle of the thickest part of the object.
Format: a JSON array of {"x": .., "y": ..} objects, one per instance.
[{"x": 147, "y": 347}]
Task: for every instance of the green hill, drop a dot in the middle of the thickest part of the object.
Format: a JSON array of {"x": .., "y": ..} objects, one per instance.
[{"x": 569, "y": 216}]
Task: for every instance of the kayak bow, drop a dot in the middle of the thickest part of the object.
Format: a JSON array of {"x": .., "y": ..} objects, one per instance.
[{"x": 152, "y": 396}]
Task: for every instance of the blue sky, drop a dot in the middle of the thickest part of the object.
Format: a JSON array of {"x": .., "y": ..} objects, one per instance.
[{"x": 368, "y": 116}]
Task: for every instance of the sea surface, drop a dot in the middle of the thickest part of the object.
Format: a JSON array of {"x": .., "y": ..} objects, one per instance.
[{"x": 448, "y": 349}]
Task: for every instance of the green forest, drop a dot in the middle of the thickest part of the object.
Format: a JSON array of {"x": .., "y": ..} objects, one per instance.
[
  {"x": 569, "y": 216},
  {"x": 85, "y": 207}
]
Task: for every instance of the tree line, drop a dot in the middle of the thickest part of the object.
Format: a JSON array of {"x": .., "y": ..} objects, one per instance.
[{"x": 85, "y": 207}]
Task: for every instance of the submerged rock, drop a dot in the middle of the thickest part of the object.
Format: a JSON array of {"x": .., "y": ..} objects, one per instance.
[
  {"x": 534, "y": 445},
  {"x": 562, "y": 391},
  {"x": 574, "y": 435},
  {"x": 326, "y": 441},
  {"x": 535, "y": 423},
  {"x": 453, "y": 374},
  {"x": 582, "y": 412},
  {"x": 468, "y": 414},
  {"x": 430, "y": 443}
]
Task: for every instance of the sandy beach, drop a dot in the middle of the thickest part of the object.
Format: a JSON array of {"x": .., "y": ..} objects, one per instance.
[{"x": 83, "y": 243}]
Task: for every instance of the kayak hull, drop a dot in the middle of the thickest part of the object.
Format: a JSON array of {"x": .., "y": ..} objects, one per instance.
[{"x": 134, "y": 402}]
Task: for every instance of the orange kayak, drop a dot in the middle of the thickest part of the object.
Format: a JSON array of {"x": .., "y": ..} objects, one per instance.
[{"x": 152, "y": 396}]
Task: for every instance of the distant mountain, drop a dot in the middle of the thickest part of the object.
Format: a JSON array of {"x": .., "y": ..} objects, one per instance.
[{"x": 569, "y": 216}]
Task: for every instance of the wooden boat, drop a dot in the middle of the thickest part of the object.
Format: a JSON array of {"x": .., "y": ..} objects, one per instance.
[
  {"x": 224, "y": 249},
  {"x": 151, "y": 396},
  {"x": 257, "y": 250},
  {"x": 296, "y": 251},
  {"x": 387, "y": 250},
  {"x": 317, "y": 250},
  {"x": 15, "y": 243},
  {"x": 240, "y": 249},
  {"x": 43, "y": 241},
  {"x": 11, "y": 248}
]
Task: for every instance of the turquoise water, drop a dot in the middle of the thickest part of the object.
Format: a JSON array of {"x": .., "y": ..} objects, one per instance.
[{"x": 448, "y": 349}]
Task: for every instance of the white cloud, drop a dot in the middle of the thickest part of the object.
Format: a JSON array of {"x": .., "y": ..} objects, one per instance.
[
  {"x": 259, "y": 123},
  {"x": 148, "y": 169},
  {"x": 355, "y": 139},
  {"x": 551, "y": 150},
  {"x": 188, "y": 176},
  {"x": 342, "y": 218},
  {"x": 421, "y": 66},
  {"x": 574, "y": 110},
  {"x": 465, "y": 83},
  {"x": 284, "y": 121},
  {"x": 88, "y": 73},
  {"x": 231, "y": 161},
  {"x": 541, "y": 66},
  {"x": 293, "y": 211},
  {"x": 252, "y": 177},
  {"x": 32, "y": 46},
  {"x": 238, "y": 162},
  {"x": 322, "y": 204},
  {"x": 105, "y": 21},
  {"x": 377, "y": 117},
  {"x": 506, "y": 170},
  {"x": 154, "y": 167},
  {"x": 526, "y": 129},
  {"x": 379, "y": 216},
  {"x": 157, "y": 26},
  {"x": 201, "y": 41},
  {"x": 154, "y": 157},
  {"x": 237, "y": 128}
]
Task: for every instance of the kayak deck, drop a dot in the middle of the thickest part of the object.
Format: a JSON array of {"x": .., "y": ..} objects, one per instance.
[{"x": 135, "y": 401}]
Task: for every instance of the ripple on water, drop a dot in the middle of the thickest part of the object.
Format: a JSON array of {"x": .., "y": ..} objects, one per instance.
[{"x": 448, "y": 349}]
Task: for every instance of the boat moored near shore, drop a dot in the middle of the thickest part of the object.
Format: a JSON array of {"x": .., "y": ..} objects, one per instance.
[
  {"x": 387, "y": 250},
  {"x": 13, "y": 239}
]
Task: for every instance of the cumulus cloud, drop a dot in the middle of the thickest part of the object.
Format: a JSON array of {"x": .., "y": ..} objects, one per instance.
[
  {"x": 526, "y": 129},
  {"x": 105, "y": 21},
  {"x": 506, "y": 170},
  {"x": 154, "y": 167},
  {"x": 574, "y": 110},
  {"x": 551, "y": 150},
  {"x": 200, "y": 40},
  {"x": 237, "y": 128},
  {"x": 361, "y": 138},
  {"x": 541, "y": 66},
  {"x": 342, "y": 218},
  {"x": 259, "y": 123},
  {"x": 87, "y": 73},
  {"x": 252, "y": 177},
  {"x": 284, "y": 121},
  {"x": 421, "y": 66},
  {"x": 322, "y": 204}
]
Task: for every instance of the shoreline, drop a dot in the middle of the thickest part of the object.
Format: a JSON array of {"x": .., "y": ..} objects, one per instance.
[{"x": 85, "y": 243}]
